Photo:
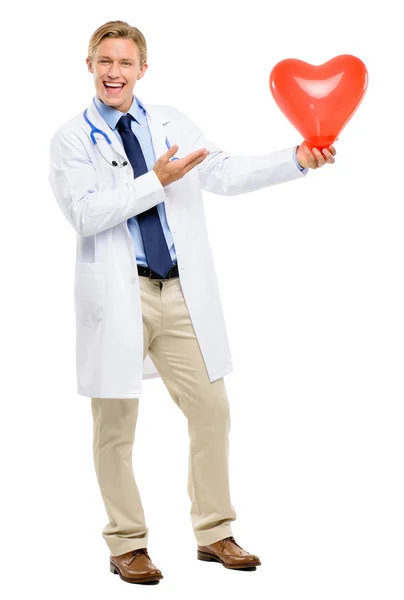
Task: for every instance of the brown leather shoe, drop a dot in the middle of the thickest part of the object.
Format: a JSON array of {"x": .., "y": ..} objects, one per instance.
[
  {"x": 135, "y": 566},
  {"x": 230, "y": 554}
]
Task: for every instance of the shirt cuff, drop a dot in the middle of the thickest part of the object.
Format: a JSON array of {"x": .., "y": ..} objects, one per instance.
[{"x": 303, "y": 169}]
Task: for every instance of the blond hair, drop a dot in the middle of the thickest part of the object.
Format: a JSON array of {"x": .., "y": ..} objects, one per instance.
[{"x": 118, "y": 29}]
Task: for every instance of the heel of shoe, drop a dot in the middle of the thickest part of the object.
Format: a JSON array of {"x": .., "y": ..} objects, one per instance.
[
  {"x": 113, "y": 569},
  {"x": 203, "y": 556}
]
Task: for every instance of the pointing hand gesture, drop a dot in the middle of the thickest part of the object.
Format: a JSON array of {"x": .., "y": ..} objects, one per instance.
[{"x": 169, "y": 171}]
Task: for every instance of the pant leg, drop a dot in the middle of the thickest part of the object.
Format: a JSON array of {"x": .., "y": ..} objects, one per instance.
[
  {"x": 176, "y": 353},
  {"x": 113, "y": 438},
  {"x": 114, "y": 430}
]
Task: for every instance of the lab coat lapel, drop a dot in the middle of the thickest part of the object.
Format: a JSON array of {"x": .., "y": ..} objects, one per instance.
[
  {"x": 156, "y": 121},
  {"x": 99, "y": 122}
]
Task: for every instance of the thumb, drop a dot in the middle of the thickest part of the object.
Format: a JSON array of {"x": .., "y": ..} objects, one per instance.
[{"x": 171, "y": 151}]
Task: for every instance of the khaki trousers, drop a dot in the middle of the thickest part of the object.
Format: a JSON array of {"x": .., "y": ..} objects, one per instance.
[{"x": 170, "y": 339}]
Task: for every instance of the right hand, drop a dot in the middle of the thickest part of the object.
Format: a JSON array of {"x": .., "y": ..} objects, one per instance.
[
  {"x": 169, "y": 171},
  {"x": 311, "y": 158}
]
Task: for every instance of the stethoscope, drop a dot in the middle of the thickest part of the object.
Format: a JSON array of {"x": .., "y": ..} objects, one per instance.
[{"x": 116, "y": 162}]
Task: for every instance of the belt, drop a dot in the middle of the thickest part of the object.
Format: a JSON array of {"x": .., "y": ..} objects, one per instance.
[{"x": 146, "y": 272}]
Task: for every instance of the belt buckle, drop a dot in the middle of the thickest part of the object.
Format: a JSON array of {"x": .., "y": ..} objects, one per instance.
[{"x": 154, "y": 275}]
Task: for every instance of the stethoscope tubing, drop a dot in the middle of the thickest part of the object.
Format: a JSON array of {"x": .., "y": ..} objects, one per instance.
[{"x": 95, "y": 130}]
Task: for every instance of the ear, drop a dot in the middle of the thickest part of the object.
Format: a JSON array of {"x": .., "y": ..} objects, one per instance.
[
  {"x": 89, "y": 65},
  {"x": 143, "y": 70}
]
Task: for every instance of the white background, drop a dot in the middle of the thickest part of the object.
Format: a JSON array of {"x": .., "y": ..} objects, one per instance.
[{"x": 311, "y": 278}]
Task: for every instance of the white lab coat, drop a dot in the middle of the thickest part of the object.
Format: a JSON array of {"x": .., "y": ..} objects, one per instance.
[{"x": 97, "y": 199}]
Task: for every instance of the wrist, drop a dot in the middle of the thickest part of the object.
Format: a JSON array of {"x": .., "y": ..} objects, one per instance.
[{"x": 297, "y": 161}]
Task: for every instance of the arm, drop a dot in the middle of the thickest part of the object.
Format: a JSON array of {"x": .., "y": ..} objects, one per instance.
[
  {"x": 75, "y": 185},
  {"x": 228, "y": 175}
]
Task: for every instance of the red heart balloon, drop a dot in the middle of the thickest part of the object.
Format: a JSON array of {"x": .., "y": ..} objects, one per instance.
[{"x": 319, "y": 100}]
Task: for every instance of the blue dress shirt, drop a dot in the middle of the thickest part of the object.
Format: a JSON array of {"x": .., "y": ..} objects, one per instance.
[
  {"x": 297, "y": 162},
  {"x": 141, "y": 129}
]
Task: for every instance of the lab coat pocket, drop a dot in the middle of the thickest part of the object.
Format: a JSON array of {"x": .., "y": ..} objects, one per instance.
[{"x": 90, "y": 294}]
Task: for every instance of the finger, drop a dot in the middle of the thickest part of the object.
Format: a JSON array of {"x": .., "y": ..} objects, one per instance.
[
  {"x": 319, "y": 157},
  {"x": 312, "y": 160},
  {"x": 328, "y": 156},
  {"x": 332, "y": 150},
  {"x": 171, "y": 151},
  {"x": 194, "y": 155},
  {"x": 193, "y": 164}
]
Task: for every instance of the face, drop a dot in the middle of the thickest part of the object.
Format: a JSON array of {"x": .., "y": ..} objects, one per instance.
[{"x": 116, "y": 60}]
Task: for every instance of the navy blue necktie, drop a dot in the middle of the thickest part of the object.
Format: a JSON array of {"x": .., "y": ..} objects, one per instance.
[{"x": 155, "y": 245}]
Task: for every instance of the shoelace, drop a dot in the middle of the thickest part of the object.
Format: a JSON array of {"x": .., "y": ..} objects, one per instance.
[
  {"x": 138, "y": 551},
  {"x": 231, "y": 538}
]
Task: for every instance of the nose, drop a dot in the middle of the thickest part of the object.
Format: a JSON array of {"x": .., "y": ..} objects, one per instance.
[{"x": 114, "y": 71}]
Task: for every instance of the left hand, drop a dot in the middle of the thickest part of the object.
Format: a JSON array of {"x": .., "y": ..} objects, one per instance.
[{"x": 313, "y": 159}]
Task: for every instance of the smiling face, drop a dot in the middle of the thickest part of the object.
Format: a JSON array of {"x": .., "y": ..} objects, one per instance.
[{"x": 116, "y": 61}]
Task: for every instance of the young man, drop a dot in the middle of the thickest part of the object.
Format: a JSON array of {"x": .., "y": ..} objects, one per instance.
[{"x": 146, "y": 295}]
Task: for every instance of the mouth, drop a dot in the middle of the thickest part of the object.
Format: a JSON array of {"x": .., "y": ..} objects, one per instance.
[{"x": 113, "y": 89}]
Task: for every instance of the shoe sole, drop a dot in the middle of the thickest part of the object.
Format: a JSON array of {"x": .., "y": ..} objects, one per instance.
[
  {"x": 211, "y": 558},
  {"x": 148, "y": 580}
]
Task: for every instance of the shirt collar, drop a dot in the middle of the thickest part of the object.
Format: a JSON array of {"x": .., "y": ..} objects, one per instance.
[{"x": 111, "y": 115}]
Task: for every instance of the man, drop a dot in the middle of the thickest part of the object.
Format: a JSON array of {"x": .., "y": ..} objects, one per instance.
[{"x": 146, "y": 295}]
